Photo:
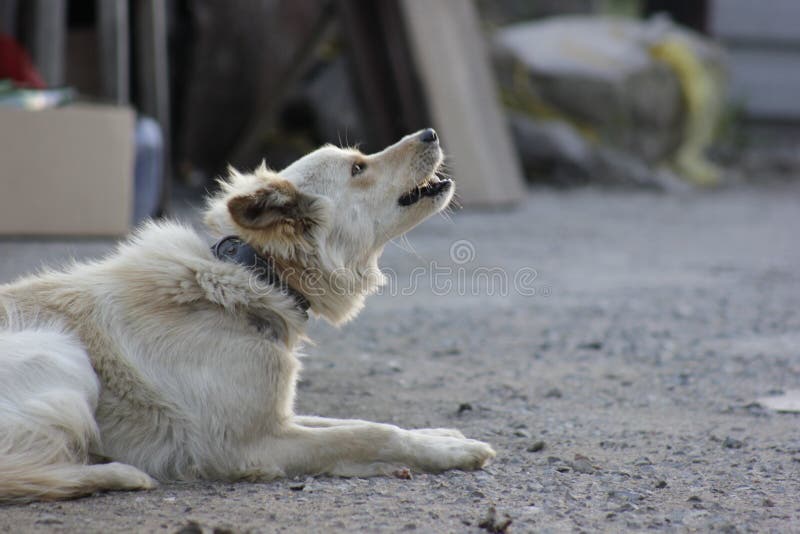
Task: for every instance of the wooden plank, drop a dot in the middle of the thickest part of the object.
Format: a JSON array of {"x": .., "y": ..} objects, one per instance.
[
  {"x": 453, "y": 63},
  {"x": 114, "y": 49}
]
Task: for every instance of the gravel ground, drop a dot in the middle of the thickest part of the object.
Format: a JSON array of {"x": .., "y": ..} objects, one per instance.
[{"x": 615, "y": 374}]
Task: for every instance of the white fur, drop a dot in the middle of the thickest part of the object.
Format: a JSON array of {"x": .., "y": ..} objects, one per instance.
[{"x": 178, "y": 366}]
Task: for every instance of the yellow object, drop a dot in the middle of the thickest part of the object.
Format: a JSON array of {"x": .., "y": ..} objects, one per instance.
[{"x": 701, "y": 93}]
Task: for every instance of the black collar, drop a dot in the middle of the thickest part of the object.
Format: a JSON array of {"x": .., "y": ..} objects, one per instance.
[{"x": 232, "y": 249}]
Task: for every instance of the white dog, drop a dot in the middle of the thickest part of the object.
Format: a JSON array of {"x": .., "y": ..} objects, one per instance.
[{"x": 174, "y": 361}]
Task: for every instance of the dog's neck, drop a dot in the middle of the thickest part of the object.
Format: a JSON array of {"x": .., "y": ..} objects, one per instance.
[
  {"x": 335, "y": 289},
  {"x": 233, "y": 249}
]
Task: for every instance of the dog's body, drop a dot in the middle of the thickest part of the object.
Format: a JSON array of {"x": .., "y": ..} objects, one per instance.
[{"x": 176, "y": 365}]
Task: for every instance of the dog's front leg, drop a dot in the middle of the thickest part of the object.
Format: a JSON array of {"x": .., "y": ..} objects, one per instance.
[
  {"x": 323, "y": 422},
  {"x": 360, "y": 448}
]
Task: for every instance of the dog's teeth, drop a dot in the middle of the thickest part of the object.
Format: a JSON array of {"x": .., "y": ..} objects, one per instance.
[{"x": 429, "y": 182}]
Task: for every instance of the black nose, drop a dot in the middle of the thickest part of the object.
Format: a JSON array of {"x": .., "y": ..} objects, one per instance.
[{"x": 428, "y": 136}]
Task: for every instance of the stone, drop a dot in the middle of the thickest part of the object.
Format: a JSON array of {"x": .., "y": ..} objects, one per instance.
[
  {"x": 551, "y": 147},
  {"x": 732, "y": 443},
  {"x": 583, "y": 465},
  {"x": 607, "y": 78},
  {"x": 554, "y": 151},
  {"x": 553, "y": 393},
  {"x": 536, "y": 446}
]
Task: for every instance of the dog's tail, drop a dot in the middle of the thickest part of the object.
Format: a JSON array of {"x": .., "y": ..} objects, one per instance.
[
  {"x": 48, "y": 468},
  {"x": 48, "y": 393},
  {"x": 41, "y": 456}
]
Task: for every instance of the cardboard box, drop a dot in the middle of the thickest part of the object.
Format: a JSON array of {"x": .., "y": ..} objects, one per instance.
[{"x": 66, "y": 171}]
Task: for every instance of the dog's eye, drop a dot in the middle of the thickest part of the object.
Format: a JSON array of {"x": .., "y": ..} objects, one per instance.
[{"x": 357, "y": 168}]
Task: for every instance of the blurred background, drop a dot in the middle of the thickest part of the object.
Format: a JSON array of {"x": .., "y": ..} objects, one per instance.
[
  {"x": 131, "y": 101},
  {"x": 616, "y": 308}
]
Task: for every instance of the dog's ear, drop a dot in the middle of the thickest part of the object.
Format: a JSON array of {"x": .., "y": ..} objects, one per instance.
[{"x": 277, "y": 207}]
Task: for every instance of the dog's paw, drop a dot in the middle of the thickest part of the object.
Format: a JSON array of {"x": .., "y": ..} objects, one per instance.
[
  {"x": 475, "y": 454},
  {"x": 119, "y": 476},
  {"x": 142, "y": 481},
  {"x": 448, "y": 432},
  {"x": 440, "y": 453}
]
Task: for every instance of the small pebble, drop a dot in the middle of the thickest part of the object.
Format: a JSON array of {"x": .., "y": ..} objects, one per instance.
[
  {"x": 491, "y": 523},
  {"x": 403, "y": 474},
  {"x": 732, "y": 443},
  {"x": 190, "y": 528},
  {"x": 536, "y": 446},
  {"x": 582, "y": 464}
]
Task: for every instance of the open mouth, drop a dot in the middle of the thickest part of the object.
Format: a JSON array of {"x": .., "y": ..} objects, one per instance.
[{"x": 432, "y": 187}]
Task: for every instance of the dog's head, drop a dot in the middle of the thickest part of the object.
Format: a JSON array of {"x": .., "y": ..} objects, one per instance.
[{"x": 334, "y": 210}]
